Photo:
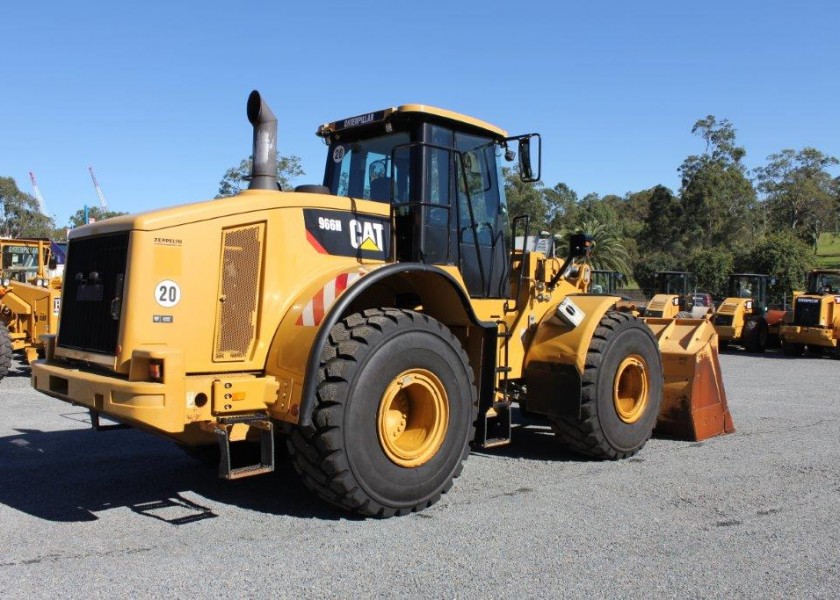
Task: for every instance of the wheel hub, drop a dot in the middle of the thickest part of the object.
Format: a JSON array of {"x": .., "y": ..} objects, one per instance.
[
  {"x": 630, "y": 390},
  {"x": 413, "y": 417}
]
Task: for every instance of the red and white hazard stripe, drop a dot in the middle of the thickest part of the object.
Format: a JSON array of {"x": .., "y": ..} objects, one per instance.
[{"x": 316, "y": 309}]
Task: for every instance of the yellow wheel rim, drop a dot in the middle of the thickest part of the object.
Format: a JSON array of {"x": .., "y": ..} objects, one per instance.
[
  {"x": 413, "y": 417},
  {"x": 630, "y": 390}
]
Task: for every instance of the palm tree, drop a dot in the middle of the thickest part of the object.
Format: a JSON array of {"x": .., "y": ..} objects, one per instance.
[{"x": 609, "y": 253}]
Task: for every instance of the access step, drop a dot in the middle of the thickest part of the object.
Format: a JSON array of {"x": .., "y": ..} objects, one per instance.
[{"x": 224, "y": 429}]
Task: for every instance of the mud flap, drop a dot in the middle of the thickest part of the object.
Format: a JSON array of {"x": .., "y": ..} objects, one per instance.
[{"x": 694, "y": 403}]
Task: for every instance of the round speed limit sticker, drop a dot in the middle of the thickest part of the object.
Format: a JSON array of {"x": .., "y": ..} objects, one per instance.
[{"x": 167, "y": 293}]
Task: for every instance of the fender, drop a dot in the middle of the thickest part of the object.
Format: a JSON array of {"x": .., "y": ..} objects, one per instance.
[
  {"x": 556, "y": 356},
  {"x": 441, "y": 295}
]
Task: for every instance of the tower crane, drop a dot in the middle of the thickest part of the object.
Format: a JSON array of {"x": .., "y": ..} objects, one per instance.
[
  {"x": 102, "y": 203},
  {"x": 42, "y": 207}
]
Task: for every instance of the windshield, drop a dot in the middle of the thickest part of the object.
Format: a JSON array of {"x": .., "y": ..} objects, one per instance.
[
  {"x": 671, "y": 283},
  {"x": 20, "y": 262},
  {"x": 743, "y": 286},
  {"x": 364, "y": 169},
  {"x": 824, "y": 283}
]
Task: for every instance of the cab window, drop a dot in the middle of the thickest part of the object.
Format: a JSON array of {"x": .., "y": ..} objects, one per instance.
[{"x": 364, "y": 169}]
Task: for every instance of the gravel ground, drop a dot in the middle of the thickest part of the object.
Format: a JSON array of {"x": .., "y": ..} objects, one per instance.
[{"x": 124, "y": 513}]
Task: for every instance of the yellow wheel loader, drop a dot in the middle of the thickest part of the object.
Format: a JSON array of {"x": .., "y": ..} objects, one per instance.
[
  {"x": 816, "y": 316},
  {"x": 744, "y": 317},
  {"x": 381, "y": 323},
  {"x": 30, "y": 297},
  {"x": 674, "y": 297}
]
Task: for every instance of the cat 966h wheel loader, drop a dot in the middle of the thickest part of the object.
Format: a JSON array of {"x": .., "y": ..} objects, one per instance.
[{"x": 380, "y": 324}]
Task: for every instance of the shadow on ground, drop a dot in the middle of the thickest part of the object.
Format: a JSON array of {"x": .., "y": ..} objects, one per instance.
[{"x": 71, "y": 475}]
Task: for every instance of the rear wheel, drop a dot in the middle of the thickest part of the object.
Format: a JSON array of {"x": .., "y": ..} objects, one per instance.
[
  {"x": 395, "y": 412},
  {"x": 621, "y": 391},
  {"x": 5, "y": 350}
]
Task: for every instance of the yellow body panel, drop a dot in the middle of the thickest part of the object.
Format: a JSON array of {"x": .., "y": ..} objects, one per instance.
[
  {"x": 664, "y": 306},
  {"x": 826, "y": 333},
  {"x": 738, "y": 309},
  {"x": 558, "y": 342}
]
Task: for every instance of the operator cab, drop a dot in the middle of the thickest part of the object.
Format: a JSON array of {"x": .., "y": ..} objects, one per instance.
[
  {"x": 439, "y": 172},
  {"x": 753, "y": 286},
  {"x": 824, "y": 282}
]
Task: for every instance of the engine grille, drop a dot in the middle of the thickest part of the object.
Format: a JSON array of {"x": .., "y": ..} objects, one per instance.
[
  {"x": 93, "y": 279},
  {"x": 239, "y": 286},
  {"x": 723, "y": 320},
  {"x": 807, "y": 312}
]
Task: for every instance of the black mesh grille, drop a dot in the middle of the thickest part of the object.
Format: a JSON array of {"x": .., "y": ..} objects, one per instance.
[
  {"x": 93, "y": 280},
  {"x": 723, "y": 320},
  {"x": 807, "y": 312}
]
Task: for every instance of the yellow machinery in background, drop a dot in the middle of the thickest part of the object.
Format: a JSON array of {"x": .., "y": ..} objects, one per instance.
[
  {"x": 745, "y": 317},
  {"x": 675, "y": 295},
  {"x": 30, "y": 297},
  {"x": 381, "y": 323},
  {"x": 816, "y": 316}
]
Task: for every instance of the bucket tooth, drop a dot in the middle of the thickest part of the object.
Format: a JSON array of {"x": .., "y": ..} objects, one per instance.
[{"x": 694, "y": 405}]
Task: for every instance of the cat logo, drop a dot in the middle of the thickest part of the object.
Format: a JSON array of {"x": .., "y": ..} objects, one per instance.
[
  {"x": 366, "y": 235},
  {"x": 345, "y": 233}
]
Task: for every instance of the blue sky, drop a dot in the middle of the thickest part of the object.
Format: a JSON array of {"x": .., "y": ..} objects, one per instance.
[{"x": 152, "y": 94}]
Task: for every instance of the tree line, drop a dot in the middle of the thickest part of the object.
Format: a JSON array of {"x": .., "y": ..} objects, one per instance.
[
  {"x": 723, "y": 219},
  {"x": 20, "y": 217}
]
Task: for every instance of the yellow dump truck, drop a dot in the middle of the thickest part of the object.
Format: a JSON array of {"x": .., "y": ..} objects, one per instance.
[
  {"x": 816, "y": 316},
  {"x": 30, "y": 297},
  {"x": 380, "y": 324}
]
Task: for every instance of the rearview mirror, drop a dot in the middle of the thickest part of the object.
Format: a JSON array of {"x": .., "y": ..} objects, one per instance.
[{"x": 530, "y": 156}]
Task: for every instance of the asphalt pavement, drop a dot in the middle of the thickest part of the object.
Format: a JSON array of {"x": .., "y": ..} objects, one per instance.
[{"x": 87, "y": 514}]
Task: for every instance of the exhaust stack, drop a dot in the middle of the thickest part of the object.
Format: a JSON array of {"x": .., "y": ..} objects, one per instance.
[{"x": 264, "y": 163}]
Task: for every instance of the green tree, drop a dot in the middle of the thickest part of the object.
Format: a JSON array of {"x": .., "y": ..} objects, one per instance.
[
  {"x": 235, "y": 179},
  {"x": 718, "y": 200},
  {"x": 19, "y": 214},
  {"x": 651, "y": 263},
  {"x": 799, "y": 193},
  {"x": 711, "y": 268},
  {"x": 525, "y": 199},
  {"x": 562, "y": 205},
  {"x": 783, "y": 256},
  {"x": 663, "y": 228},
  {"x": 95, "y": 214}
]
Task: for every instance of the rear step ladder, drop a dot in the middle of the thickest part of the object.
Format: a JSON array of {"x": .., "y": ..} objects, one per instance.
[{"x": 223, "y": 430}]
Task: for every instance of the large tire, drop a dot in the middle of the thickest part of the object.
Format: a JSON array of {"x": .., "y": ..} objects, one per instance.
[
  {"x": 395, "y": 413},
  {"x": 621, "y": 391},
  {"x": 5, "y": 351},
  {"x": 755, "y": 335}
]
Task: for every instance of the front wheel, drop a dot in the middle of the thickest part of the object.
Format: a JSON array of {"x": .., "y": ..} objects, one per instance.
[
  {"x": 621, "y": 391},
  {"x": 5, "y": 351},
  {"x": 395, "y": 412}
]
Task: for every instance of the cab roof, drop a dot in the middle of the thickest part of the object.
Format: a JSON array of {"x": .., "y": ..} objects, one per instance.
[{"x": 329, "y": 129}]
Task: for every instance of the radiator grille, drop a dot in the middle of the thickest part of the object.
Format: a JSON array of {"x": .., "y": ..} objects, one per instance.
[
  {"x": 723, "y": 320},
  {"x": 239, "y": 285},
  {"x": 93, "y": 279},
  {"x": 807, "y": 312}
]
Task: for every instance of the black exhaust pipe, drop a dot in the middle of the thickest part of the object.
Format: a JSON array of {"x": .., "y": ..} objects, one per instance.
[{"x": 264, "y": 162}]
